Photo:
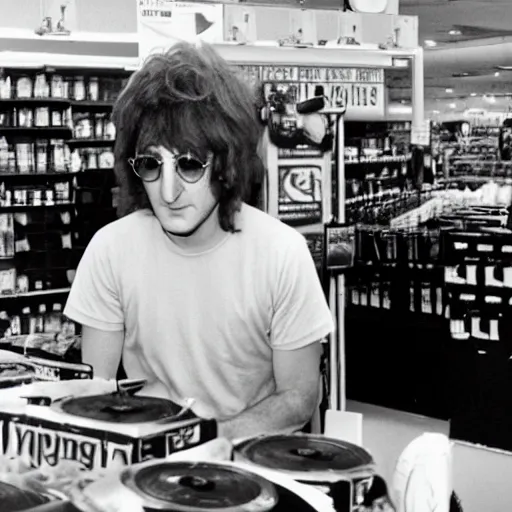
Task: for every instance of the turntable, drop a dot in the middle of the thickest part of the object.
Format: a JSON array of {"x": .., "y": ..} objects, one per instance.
[
  {"x": 188, "y": 486},
  {"x": 98, "y": 430},
  {"x": 342, "y": 470}
]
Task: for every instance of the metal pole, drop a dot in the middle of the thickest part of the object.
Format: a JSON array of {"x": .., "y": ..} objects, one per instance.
[
  {"x": 340, "y": 284},
  {"x": 418, "y": 92}
]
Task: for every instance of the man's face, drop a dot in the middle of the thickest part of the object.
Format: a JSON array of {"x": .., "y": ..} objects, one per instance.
[{"x": 179, "y": 206}]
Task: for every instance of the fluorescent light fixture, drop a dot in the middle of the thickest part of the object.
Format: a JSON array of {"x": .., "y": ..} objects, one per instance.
[
  {"x": 449, "y": 90},
  {"x": 453, "y": 105},
  {"x": 430, "y": 43},
  {"x": 455, "y": 32},
  {"x": 473, "y": 94},
  {"x": 436, "y": 112},
  {"x": 400, "y": 62},
  {"x": 400, "y": 109}
]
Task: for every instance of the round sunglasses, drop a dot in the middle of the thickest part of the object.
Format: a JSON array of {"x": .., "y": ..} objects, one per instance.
[{"x": 149, "y": 167}]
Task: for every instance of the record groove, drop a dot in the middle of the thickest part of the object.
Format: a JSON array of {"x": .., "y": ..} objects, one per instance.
[
  {"x": 189, "y": 486},
  {"x": 306, "y": 453},
  {"x": 120, "y": 408}
]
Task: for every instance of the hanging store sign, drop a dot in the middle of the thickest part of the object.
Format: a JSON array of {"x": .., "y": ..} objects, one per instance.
[
  {"x": 359, "y": 90},
  {"x": 161, "y": 23}
]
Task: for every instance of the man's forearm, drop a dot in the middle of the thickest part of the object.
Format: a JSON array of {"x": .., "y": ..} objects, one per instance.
[{"x": 284, "y": 411}]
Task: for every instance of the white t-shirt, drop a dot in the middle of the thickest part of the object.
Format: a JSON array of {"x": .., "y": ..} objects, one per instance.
[{"x": 202, "y": 326}]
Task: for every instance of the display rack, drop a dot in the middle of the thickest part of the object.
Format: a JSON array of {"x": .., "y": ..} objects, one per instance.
[{"x": 56, "y": 176}]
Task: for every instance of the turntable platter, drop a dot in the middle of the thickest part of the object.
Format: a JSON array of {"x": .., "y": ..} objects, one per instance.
[
  {"x": 120, "y": 408},
  {"x": 306, "y": 453},
  {"x": 198, "y": 487}
]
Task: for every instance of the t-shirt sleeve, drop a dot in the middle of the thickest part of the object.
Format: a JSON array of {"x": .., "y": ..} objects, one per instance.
[
  {"x": 301, "y": 314},
  {"x": 94, "y": 299}
]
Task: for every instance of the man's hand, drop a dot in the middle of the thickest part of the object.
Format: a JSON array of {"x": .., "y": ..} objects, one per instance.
[{"x": 291, "y": 406}]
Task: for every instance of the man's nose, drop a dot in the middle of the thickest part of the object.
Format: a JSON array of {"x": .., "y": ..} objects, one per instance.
[{"x": 171, "y": 186}]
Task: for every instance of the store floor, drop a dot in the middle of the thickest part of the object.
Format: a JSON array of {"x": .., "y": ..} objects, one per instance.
[{"x": 482, "y": 477}]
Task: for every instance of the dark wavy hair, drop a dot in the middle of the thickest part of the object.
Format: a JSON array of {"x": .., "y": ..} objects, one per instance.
[{"x": 190, "y": 98}]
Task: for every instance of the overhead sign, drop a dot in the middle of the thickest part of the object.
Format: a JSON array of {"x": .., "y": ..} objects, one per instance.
[
  {"x": 161, "y": 23},
  {"x": 359, "y": 90}
]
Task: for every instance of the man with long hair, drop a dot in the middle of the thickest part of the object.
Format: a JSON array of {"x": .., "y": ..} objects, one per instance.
[{"x": 202, "y": 295}]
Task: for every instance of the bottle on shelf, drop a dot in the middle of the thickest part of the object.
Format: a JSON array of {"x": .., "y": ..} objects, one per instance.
[{"x": 53, "y": 320}]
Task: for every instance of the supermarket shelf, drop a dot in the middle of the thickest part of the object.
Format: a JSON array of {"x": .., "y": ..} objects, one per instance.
[
  {"x": 36, "y": 102},
  {"x": 36, "y": 293},
  {"x": 477, "y": 179},
  {"x": 31, "y": 175},
  {"x": 46, "y": 132},
  {"x": 86, "y": 143},
  {"x": 379, "y": 160},
  {"x": 22, "y": 207},
  {"x": 463, "y": 160},
  {"x": 92, "y": 106},
  {"x": 95, "y": 169}
]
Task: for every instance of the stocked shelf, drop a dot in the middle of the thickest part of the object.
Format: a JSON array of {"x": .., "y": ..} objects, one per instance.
[
  {"x": 505, "y": 180},
  {"x": 85, "y": 143},
  {"x": 56, "y": 175},
  {"x": 35, "y": 102},
  {"x": 20, "y": 207},
  {"x": 92, "y": 106},
  {"x": 35, "y": 175},
  {"x": 35, "y": 293},
  {"x": 378, "y": 160},
  {"x": 36, "y": 132}
]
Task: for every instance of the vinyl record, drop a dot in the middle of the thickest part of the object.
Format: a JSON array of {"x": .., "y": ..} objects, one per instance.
[
  {"x": 304, "y": 453},
  {"x": 120, "y": 408},
  {"x": 13, "y": 499},
  {"x": 200, "y": 486}
]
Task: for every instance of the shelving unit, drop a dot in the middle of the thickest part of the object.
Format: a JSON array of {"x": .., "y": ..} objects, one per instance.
[
  {"x": 35, "y": 293},
  {"x": 56, "y": 177},
  {"x": 86, "y": 143}
]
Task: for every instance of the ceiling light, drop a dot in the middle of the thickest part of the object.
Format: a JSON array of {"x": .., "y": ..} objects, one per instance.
[
  {"x": 430, "y": 43},
  {"x": 400, "y": 63},
  {"x": 455, "y": 32},
  {"x": 453, "y": 105},
  {"x": 436, "y": 112},
  {"x": 449, "y": 91},
  {"x": 497, "y": 73},
  {"x": 473, "y": 94}
]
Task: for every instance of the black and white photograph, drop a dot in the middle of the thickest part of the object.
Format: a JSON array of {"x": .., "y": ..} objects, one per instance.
[{"x": 255, "y": 255}]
